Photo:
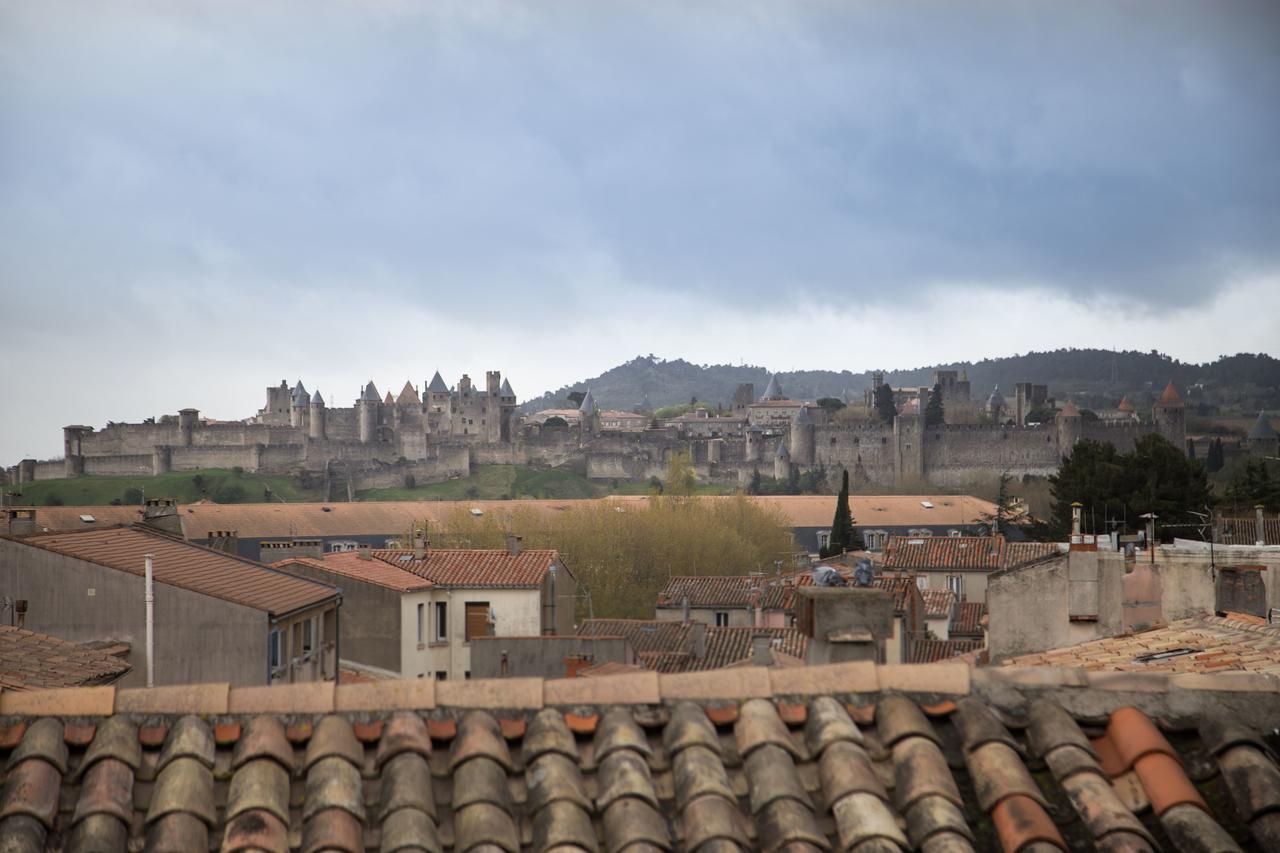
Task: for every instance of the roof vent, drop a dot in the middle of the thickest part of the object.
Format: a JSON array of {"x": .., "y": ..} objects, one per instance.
[
  {"x": 1155, "y": 657},
  {"x": 926, "y": 504},
  {"x": 87, "y": 519},
  {"x": 477, "y": 511},
  {"x": 915, "y": 541}
]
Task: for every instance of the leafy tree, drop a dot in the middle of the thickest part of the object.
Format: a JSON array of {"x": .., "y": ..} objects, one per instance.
[
  {"x": 1009, "y": 512},
  {"x": 199, "y": 482},
  {"x": 1253, "y": 485},
  {"x": 228, "y": 493},
  {"x": 1088, "y": 416},
  {"x": 555, "y": 422},
  {"x": 933, "y": 413},
  {"x": 681, "y": 479},
  {"x": 830, "y": 405},
  {"x": 1042, "y": 415},
  {"x": 884, "y": 405},
  {"x": 576, "y": 397},
  {"x": 1156, "y": 477},
  {"x": 753, "y": 488},
  {"x": 53, "y": 499},
  {"x": 132, "y": 496},
  {"x": 1215, "y": 458}
]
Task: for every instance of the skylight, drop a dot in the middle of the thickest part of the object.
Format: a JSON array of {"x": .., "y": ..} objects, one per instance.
[
  {"x": 88, "y": 519},
  {"x": 1154, "y": 657}
]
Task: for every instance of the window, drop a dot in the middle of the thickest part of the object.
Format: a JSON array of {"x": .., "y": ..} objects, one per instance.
[
  {"x": 422, "y": 628},
  {"x": 442, "y": 621},
  {"x": 824, "y": 539},
  {"x": 722, "y": 619},
  {"x": 955, "y": 583},
  {"x": 308, "y": 636},
  {"x": 477, "y": 619},
  {"x": 922, "y": 581},
  {"x": 273, "y": 648},
  {"x": 441, "y": 675}
]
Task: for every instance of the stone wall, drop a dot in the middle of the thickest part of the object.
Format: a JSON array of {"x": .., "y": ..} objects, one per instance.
[{"x": 118, "y": 465}]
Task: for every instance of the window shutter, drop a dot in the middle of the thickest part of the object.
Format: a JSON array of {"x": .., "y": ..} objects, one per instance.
[{"x": 477, "y": 619}]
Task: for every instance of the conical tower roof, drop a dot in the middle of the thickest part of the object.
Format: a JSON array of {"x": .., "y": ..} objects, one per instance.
[
  {"x": 1069, "y": 410},
  {"x": 802, "y": 417},
  {"x": 783, "y": 453},
  {"x": 300, "y": 395},
  {"x": 505, "y": 390},
  {"x": 772, "y": 391},
  {"x": 389, "y": 400},
  {"x": 437, "y": 385},
  {"x": 588, "y": 406},
  {"x": 1170, "y": 397},
  {"x": 1262, "y": 429},
  {"x": 316, "y": 399},
  {"x": 996, "y": 398},
  {"x": 1125, "y": 405},
  {"x": 370, "y": 393},
  {"x": 409, "y": 395}
]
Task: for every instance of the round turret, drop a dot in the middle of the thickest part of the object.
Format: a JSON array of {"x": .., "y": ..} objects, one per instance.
[
  {"x": 802, "y": 436},
  {"x": 782, "y": 463},
  {"x": 995, "y": 404}
]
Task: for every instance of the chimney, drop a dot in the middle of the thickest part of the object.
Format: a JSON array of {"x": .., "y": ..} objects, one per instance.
[
  {"x": 844, "y": 623},
  {"x": 224, "y": 540},
  {"x": 684, "y": 610},
  {"x": 1076, "y": 509},
  {"x": 162, "y": 514},
  {"x": 761, "y": 650},
  {"x": 20, "y": 522},
  {"x": 419, "y": 544},
  {"x": 363, "y": 551},
  {"x": 513, "y": 544},
  {"x": 699, "y": 633},
  {"x": 20, "y": 612},
  {"x": 1260, "y": 535},
  {"x": 313, "y": 548}
]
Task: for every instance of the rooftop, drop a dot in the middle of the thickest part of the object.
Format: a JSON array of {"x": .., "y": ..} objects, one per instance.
[
  {"x": 349, "y": 564},
  {"x": 1198, "y": 644},
  {"x": 31, "y": 661},
  {"x": 977, "y": 553},
  {"x": 193, "y": 567},
  {"x": 459, "y": 567},
  {"x": 938, "y": 603},
  {"x": 669, "y": 646},
  {"x": 846, "y": 757}
]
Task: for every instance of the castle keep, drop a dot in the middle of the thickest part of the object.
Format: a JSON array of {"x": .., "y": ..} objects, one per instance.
[{"x": 444, "y": 431}]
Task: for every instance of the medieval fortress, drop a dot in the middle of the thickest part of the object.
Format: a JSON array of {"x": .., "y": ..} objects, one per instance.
[{"x": 445, "y": 431}]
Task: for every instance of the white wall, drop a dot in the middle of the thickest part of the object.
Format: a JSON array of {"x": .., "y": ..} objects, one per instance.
[{"x": 518, "y": 613}]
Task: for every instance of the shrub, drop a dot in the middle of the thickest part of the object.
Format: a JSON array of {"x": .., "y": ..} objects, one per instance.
[
  {"x": 228, "y": 493},
  {"x": 131, "y": 496}
]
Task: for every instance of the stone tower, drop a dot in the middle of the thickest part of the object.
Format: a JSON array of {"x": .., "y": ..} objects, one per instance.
[
  {"x": 802, "y": 435},
  {"x": 298, "y": 402},
  {"x": 1263, "y": 440},
  {"x": 588, "y": 417},
  {"x": 752, "y": 449},
  {"x": 1170, "y": 417},
  {"x": 1068, "y": 421},
  {"x": 782, "y": 463},
  {"x": 439, "y": 409},
  {"x": 506, "y": 411},
  {"x": 367, "y": 410},
  {"x": 317, "y": 416},
  {"x": 187, "y": 420},
  {"x": 773, "y": 391}
]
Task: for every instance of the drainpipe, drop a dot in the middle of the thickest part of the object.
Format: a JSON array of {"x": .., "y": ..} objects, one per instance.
[
  {"x": 1260, "y": 534},
  {"x": 337, "y": 643},
  {"x": 150, "y": 596}
]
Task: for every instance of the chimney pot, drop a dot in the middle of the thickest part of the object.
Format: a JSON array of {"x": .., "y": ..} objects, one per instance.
[{"x": 20, "y": 612}]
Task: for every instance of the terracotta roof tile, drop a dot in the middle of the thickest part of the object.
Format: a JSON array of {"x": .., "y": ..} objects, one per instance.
[
  {"x": 455, "y": 567},
  {"x": 350, "y": 564},
  {"x": 965, "y": 553},
  {"x": 181, "y": 564},
  {"x": 667, "y": 646},
  {"x": 938, "y": 603},
  {"x": 931, "y": 651},
  {"x": 704, "y": 757},
  {"x": 968, "y": 621},
  {"x": 32, "y": 661}
]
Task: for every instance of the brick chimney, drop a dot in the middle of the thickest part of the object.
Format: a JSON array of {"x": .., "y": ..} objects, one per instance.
[
  {"x": 20, "y": 522},
  {"x": 419, "y": 544},
  {"x": 224, "y": 540},
  {"x": 162, "y": 514}
]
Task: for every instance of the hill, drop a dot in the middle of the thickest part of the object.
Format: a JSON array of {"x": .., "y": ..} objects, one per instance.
[{"x": 1098, "y": 378}]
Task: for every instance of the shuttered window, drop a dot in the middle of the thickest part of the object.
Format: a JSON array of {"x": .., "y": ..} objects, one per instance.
[{"x": 477, "y": 619}]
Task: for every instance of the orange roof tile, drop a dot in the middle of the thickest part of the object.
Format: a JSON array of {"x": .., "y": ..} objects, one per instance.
[
  {"x": 1171, "y": 397},
  {"x": 457, "y": 567},
  {"x": 938, "y": 603},
  {"x": 349, "y": 564},
  {"x": 182, "y": 564},
  {"x": 972, "y": 553},
  {"x": 31, "y": 661}
]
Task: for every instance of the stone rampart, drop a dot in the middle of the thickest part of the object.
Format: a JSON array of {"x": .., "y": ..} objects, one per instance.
[{"x": 130, "y": 465}]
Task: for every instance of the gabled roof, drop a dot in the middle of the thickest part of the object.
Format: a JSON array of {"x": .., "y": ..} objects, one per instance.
[
  {"x": 931, "y": 651},
  {"x": 409, "y": 395},
  {"x": 32, "y": 661},
  {"x": 746, "y": 758},
  {"x": 712, "y": 590},
  {"x": 1243, "y": 530},
  {"x": 349, "y": 564},
  {"x": 474, "y": 569},
  {"x": 1262, "y": 429},
  {"x": 1170, "y": 397},
  {"x": 437, "y": 385},
  {"x": 772, "y": 391},
  {"x": 505, "y": 390},
  {"x": 968, "y": 621},
  {"x": 388, "y": 400},
  {"x": 192, "y": 567},
  {"x": 902, "y": 590},
  {"x": 981, "y": 553}
]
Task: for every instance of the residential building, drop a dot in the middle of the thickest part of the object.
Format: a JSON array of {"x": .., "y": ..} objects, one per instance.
[
  {"x": 416, "y": 612},
  {"x": 217, "y": 617},
  {"x": 32, "y": 661},
  {"x": 961, "y": 564},
  {"x": 940, "y": 608}
]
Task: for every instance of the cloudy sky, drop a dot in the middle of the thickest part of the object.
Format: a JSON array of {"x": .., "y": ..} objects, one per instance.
[{"x": 200, "y": 199}]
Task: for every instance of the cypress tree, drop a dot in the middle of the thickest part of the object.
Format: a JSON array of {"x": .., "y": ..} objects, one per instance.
[
  {"x": 842, "y": 523},
  {"x": 933, "y": 414},
  {"x": 885, "y": 407}
]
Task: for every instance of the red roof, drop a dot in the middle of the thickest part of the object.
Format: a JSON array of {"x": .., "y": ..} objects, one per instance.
[
  {"x": 668, "y": 646},
  {"x": 712, "y": 590},
  {"x": 31, "y": 661},
  {"x": 972, "y": 553},
  {"x": 1170, "y": 397},
  {"x": 1125, "y": 405},
  {"x": 349, "y": 564},
  {"x": 900, "y": 588},
  {"x": 932, "y": 651},
  {"x": 968, "y": 619},
  {"x": 938, "y": 603},
  {"x": 181, "y": 564},
  {"x": 458, "y": 567}
]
